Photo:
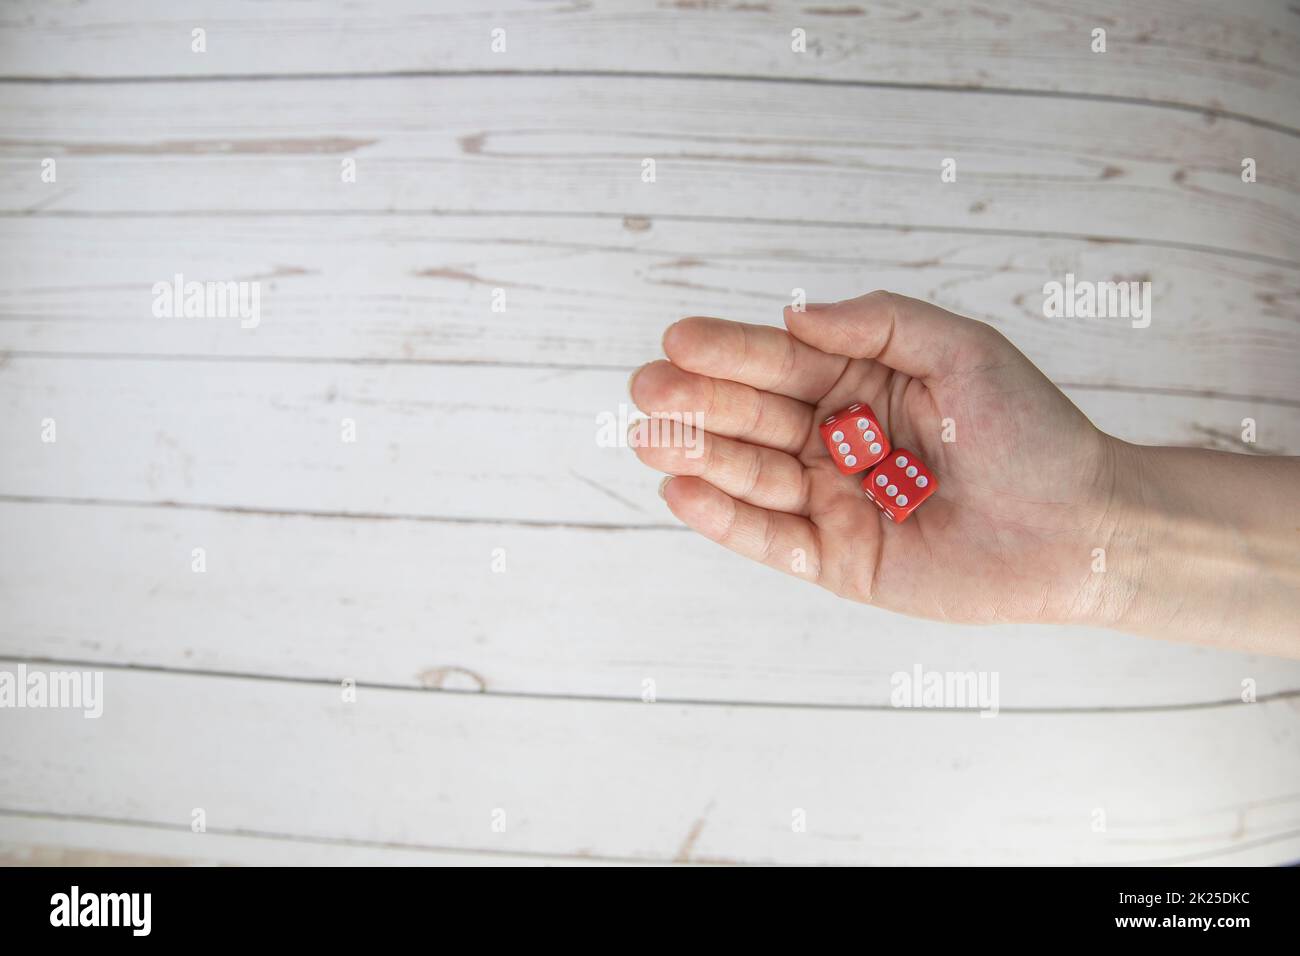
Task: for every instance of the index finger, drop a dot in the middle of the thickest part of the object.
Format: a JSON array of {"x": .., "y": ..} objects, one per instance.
[
  {"x": 911, "y": 336},
  {"x": 764, "y": 357}
]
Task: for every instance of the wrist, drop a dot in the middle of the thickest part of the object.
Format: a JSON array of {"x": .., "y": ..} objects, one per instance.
[
  {"x": 1200, "y": 547},
  {"x": 1133, "y": 535},
  {"x": 1114, "y": 550}
]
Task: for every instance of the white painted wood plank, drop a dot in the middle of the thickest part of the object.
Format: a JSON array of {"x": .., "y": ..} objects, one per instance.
[
  {"x": 46, "y": 841},
  {"x": 600, "y": 291},
  {"x": 1236, "y": 57},
  {"x": 486, "y": 443},
  {"x": 51, "y": 841},
  {"x": 722, "y": 149},
  {"x": 663, "y": 781},
  {"x": 574, "y": 612}
]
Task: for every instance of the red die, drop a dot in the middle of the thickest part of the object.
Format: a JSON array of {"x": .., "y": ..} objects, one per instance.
[
  {"x": 899, "y": 485},
  {"x": 854, "y": 438}
]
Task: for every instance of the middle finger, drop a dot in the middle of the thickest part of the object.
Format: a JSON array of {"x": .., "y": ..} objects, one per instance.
[{"x": 724, "y": 407}]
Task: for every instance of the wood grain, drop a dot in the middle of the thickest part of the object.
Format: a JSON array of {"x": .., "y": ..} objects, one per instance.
[
  {"x": 727, "y": 149},
  {"x": 574, "y": 612},
  {"x": 663, "y": 781},
  {"x": 1200, "y": 53},
  {"x": 600, "y": 291}
]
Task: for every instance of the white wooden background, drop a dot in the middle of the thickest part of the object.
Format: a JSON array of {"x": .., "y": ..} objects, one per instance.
[{"x": 476, "y": 430}]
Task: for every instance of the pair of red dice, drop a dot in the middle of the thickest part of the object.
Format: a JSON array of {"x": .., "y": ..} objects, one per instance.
[{"x": 897, "y": 481}]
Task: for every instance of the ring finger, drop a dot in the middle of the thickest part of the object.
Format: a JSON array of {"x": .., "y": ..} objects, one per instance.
[{"x": 760, "y": 476}]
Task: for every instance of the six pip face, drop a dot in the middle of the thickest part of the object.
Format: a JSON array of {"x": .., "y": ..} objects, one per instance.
[
  {"x": 854, "y": 438},
  {"x": 897, "y": 481},
  {"x": 899, "y": 485}
]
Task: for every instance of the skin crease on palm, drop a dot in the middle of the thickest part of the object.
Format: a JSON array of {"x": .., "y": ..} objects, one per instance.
[{"x": 1024, "y": 491}]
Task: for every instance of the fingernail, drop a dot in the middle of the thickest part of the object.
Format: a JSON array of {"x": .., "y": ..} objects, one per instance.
[
  {"x": 663, "y": 486},
  {"x": 663, "y": 339}
]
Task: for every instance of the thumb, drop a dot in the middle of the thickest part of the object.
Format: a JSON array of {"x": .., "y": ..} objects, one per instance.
[{"x": 914, "y": 337}]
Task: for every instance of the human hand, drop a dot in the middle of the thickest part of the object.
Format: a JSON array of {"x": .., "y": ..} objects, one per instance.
[{"x": 1025, "y": 489}]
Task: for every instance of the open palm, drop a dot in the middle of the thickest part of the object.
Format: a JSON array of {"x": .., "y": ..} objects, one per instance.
[{"x": 1024, "y": 479}]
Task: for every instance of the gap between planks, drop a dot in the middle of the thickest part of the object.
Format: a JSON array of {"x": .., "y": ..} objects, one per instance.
[
  {"x": 663, "y": 75},
  {"x": 165, "y": 671},
  {"x": 336, "y": 515}
]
